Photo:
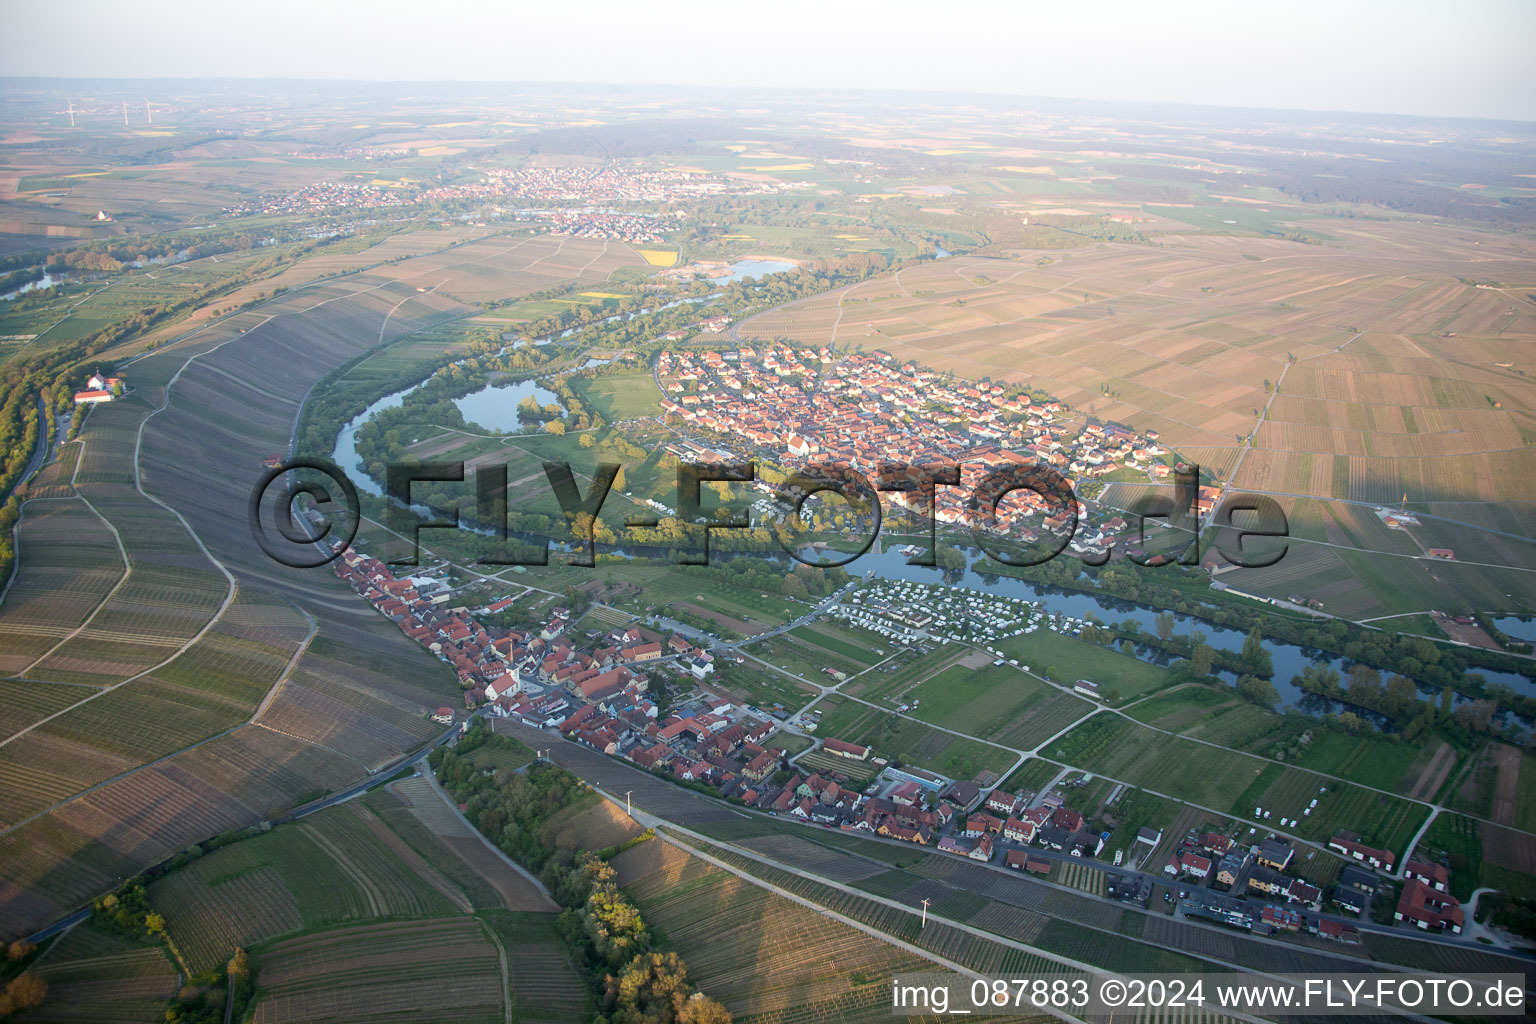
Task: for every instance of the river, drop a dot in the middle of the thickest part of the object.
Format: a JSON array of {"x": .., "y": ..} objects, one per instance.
[{"x": 1288, "y": 659}]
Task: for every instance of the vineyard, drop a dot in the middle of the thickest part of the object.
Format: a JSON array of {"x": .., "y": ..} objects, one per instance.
[
  {"x": 328, "y": 869},
  {"x": 130, "y": 986},
  {"x": 823, "y": 762},
  {"x": 71, "y": 563},
  {"x": 207, "y": 921},
  {"x": 377, "y": 973},
  {"x": 429, "y": 826},
  {"x": 546, "y": 989},
  {"x": 760, "y": 954}
]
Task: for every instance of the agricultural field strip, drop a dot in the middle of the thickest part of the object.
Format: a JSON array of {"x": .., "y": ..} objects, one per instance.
[
  {"x": 313, "y": 743},
  {"x": 506, "y": 973},
  {"x": 1434, "y": 808},
  {"x": 1098, "y": 272},
  {"x": 1120, "y": 712},
  {"x": 1294, "y": 539},
  {"x": 964, "y": 735},
  {"x": 1373, "y": 505},
  {"x": 485, "y": 841},
  {"x": 1078, "y": 891},
  {"x": 138, "y": 485},
  {"x": 277, "y": 685},
  {"x": 318, "y": 282},
  {"x": 82, "y": 794},
  {"x": 122, "y": 551}
]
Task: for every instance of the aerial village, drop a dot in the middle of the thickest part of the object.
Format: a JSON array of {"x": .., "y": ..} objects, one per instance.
[
  {"x": 811, "y": 407},
  {"x": 602, "y": 698}
]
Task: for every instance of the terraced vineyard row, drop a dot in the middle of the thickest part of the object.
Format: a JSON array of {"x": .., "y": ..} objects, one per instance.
[
  {"x": 546, "y": 989},
  {"x": 384, "y": 972},
  {"x": 757, "y": 952},
  {"x": 130, "y": 985}
]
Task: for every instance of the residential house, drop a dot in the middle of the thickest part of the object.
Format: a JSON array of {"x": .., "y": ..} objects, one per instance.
[
  {"x": 1429, "y": 908},
  {"x": 1195, "y": 865},
  {"x": 1436, "y": 876},
  {"x": 1281, "y": 918},
  {"x": 1350, "y": 845},
  {"x": 1358, "y": 877},
  {"x": 1275, "y": 853},
  {"x": 1349, "y": 898},
  {"x": 1267, "y": 881}
]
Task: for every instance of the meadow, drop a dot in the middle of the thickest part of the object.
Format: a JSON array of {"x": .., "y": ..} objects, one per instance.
[{"x": 1065, "y": 660}]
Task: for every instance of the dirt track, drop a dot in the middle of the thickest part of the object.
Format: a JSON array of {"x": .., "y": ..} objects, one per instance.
[
  {"x": 1433, "y": 776},
  {"x": 1508, "y": 760}
]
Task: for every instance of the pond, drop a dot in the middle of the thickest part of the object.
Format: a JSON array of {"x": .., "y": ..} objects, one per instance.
[
  {"x": 1521, "y": 628},
  {"x": 492, "y": 408},
  {"x": 495, "y": 407},
  {"x": 751, "y": 270}
]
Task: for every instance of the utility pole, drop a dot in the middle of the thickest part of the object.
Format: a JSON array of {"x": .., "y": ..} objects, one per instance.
[
  {"x": 925, "y": 913},
  {"x": 626, "y": 801}
]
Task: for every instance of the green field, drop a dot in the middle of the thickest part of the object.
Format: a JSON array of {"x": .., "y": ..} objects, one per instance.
[
  {"x": 1034, "y": 774},
  {"x": 620, "y": 396},
  {"x": 330, "y": 868},
  {"x": 905, "y": 670},
  {"x": 800, "y": 659},
  {"x": 892, "y": 736},
  {"x": 1067, "y": 659},
  {"x": 1217, "y": 715},
  {"x": 996, "y": 703},
  {"x": 843, "y": 642},
  {"x": 1236, "y": 783},
  {"x": 763, "y": 686}
]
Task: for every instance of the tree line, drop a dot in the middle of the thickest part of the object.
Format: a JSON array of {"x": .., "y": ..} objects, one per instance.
[{"x": 631, "y": 978}]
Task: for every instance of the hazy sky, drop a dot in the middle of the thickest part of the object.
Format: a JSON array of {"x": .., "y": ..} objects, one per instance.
[{"x": 1467, "y": 58}]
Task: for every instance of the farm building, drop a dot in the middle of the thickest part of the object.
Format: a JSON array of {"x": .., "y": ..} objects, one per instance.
[{"x": 844, "y": 749}]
